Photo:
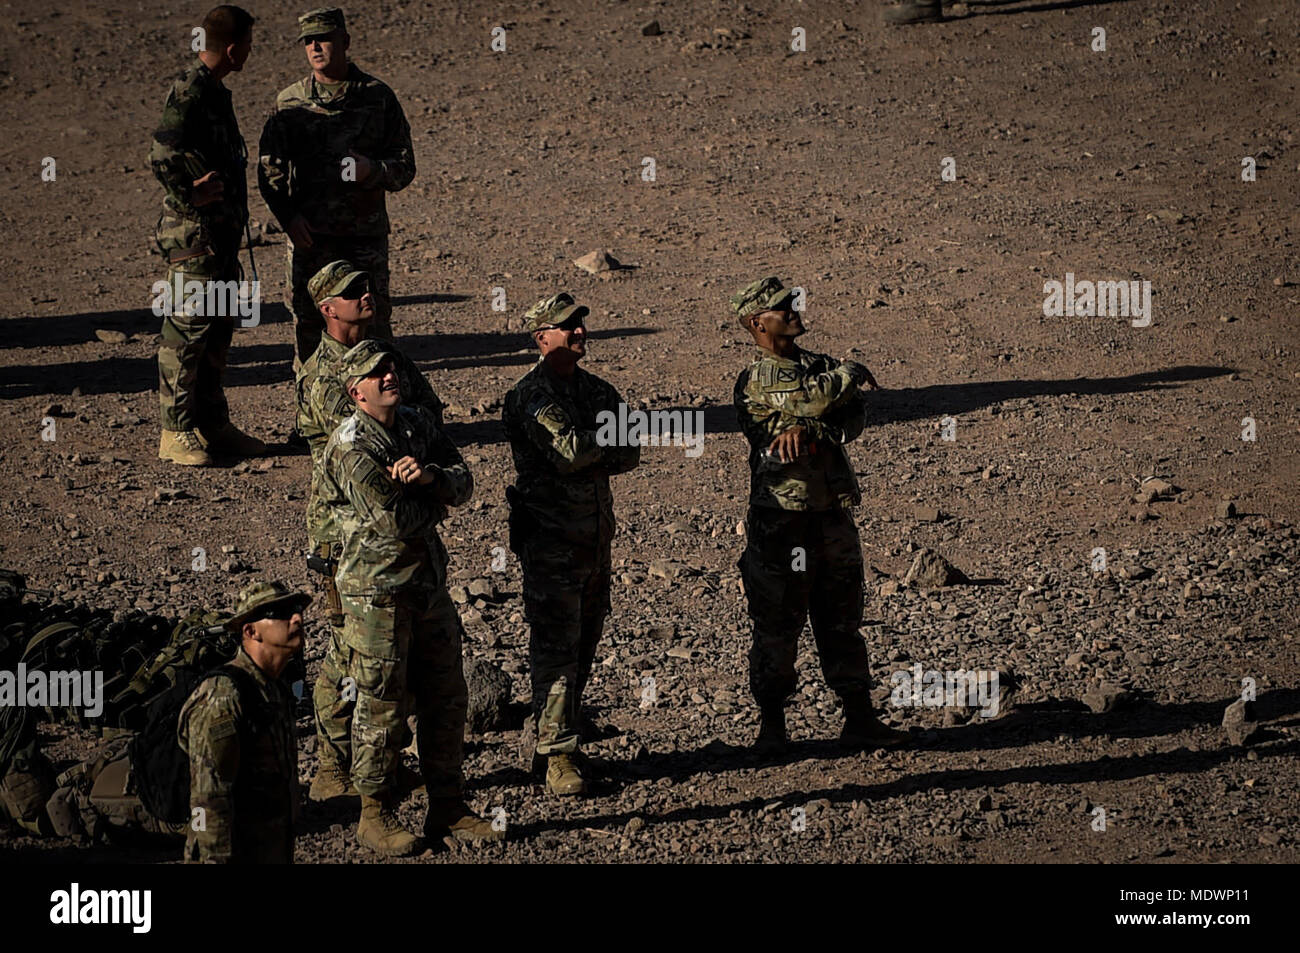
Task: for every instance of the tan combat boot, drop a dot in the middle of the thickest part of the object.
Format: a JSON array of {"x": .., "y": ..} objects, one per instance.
[
  {"x": 183, "y": 447},
  {"x": 229, "y": 439},
  {"x": 563, "y": 777},
  {"x": 380, "y": 830},
  {"x": 451, "y": 816},
  {"x": 332, "y": 779}
]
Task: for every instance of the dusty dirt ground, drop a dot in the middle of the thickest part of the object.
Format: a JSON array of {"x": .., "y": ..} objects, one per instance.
[{"x": 823, "y": 167}]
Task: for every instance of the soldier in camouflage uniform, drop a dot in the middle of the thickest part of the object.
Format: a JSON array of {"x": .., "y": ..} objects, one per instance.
[
  {"x": 337, "y": 141},
  {"x": 199, "y": 157},
  {"x": 562, "y": 524},
  {"x": 389, "y": 475},
  {"x": 341, "y": 292},
  {"x": 799, "y": 410},
  {"x": 243, "y": 756}
]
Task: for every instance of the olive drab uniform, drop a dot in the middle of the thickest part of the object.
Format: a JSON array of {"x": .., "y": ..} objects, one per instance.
[
  {"x": 802, "y": 556},
  {"x": 323, "y": 404},
  {"x": 304, "y": 170},
  {"x": 197, "y": 134},
  {"x": 243, "y": 768},
  {"x": 561, "y": 528},
  {"x": 401, "y": 634}
]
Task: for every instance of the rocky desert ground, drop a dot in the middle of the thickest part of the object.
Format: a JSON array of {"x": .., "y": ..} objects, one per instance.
[{"x": 1016, "y": 444}]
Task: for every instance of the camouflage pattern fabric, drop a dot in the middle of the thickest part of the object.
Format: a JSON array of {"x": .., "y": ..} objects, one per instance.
[
  {"x": 323, "y": 404},
  {"x": 401, "y": 636},
  {"x": 781, "y": 597},
  {"x": 821, "y": 395},
  {"x": 561, "y": 528},
  {"x": 369, "y": 253},
  {"x": 332, "y": 705},
  {"x": 390, "y": 530},
  {"x": 301, "y": 172},
  {"x": 197, "y": 134},
  {"x": 410, "y": 664},
  {"x": 243, "y": 769},
  {"x": 97, "y": 797}
]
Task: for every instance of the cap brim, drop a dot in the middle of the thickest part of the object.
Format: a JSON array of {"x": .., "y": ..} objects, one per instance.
[
  {"x": 775, "y": 304},
  {"x": 252, "y": 615},
  {"x": 341, "y": 285}
]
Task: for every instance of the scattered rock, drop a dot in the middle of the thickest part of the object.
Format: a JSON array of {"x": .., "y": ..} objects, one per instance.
[
  {"x": 927, "y": 514},
  {"x": 110, "y": 337},
  {"x": 1104, "y": 696},
  {"x": 489, "y": 697},
  {"x": 597, "y": 262},
  {"x": 459, "y": 595},
  {"x": 652, "y": 29},
  {"x": 1226, "y": 510},
  {"x": 931, "y": 571},
  {"x": 1239, "y": 722},
  {"x": 1154, "y": 488}
]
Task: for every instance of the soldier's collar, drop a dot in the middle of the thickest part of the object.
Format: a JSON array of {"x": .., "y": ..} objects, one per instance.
[{"x": 764, "y": 354}]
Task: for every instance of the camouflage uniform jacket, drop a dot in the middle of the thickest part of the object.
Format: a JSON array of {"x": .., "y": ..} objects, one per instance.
[
  {"x": 311, "y": 132},
  {"x": 562, "y": 473},
  {"x": 198, "y": 134},
  {"x": 813, "y": 391},
  {"x": 323, "y": 404},
  {"x": 243, "y": 768},
  {"x": 390, "y": 529}
]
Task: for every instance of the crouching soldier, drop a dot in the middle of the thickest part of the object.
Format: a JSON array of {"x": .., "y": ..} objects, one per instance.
[{"x": 238, "y": 730}]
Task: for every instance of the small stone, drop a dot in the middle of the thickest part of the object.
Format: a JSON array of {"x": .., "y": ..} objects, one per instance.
[
  {"x": 597, "y": 262},
  {"x": 652, "y": 29},
  {"x": 482, "y": 588},
  {"x": 927, "y": 514},
  {"x": 110, "y": 337},
  {"x": 1103, "y": 696},
  {"x": 985, "y": 803},
  {"x": 664, "y": 633},
  {"x": 459, "y": 595},
  {"x": 929, "y": 570},
  {"x": 1226, "y": 510}
]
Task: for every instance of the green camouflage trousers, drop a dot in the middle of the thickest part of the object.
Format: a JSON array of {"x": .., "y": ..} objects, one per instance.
[
  {"x": 566, "y": 599},
  {"x": 192, "y": 354},
  {"x": 369, "y": 253},
  {"x": 333, "y": 713},
  {"x": 799, "y": 565},
  {"x": 400, "y": 654}
]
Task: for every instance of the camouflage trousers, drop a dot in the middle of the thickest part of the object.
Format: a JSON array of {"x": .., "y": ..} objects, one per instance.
[
  {"x": 796, "y": 566},
  {"x": 192, "y": 353},
  {"x": 98, "y": 796},
  {"x": 333, "y": 712},
  {"x": 368, "y": 253},
  {"x": 400, "y": 654},
  {"x": 566, "y": 600}
]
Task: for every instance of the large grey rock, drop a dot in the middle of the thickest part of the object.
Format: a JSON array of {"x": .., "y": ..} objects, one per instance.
[
  {"x": 931, "y": 571},
  {"x": 489, "y": 697},
  {"x": 1239, "y": 722}
]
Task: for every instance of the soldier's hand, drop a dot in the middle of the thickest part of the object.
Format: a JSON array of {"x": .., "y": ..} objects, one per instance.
[
  {"x": 299, "y": 232},
  {"x": 789, "y": 445},
  {"x": 408, "y": 470},
  {"x": 365, "y": 168},
  {"x": 207, "y": 190}
]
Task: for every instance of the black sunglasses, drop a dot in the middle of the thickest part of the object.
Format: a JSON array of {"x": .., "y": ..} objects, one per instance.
[
  {"x": 283, "y": 612},
  {"x": 356, "y": 291}
]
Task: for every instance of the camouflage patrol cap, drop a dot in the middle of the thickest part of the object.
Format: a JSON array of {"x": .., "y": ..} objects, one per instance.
[
  {"x": 553, "y": 311},
  {"x": 320, "y": 21},
  {"x": 256, "y": 599},
  {"x": 766, "y": 294},
  {"x": 362, "y": 359},
  {"x": 333, "y": 279}
]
